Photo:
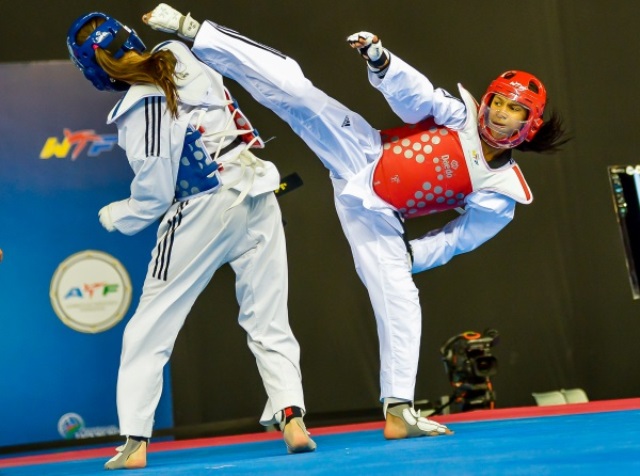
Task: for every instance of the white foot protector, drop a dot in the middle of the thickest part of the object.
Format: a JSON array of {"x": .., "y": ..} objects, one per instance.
[{"x": 415, "y": 424}]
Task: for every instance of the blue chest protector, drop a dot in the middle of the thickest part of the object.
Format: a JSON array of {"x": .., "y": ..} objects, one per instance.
[{"x": 198, "y": 172}]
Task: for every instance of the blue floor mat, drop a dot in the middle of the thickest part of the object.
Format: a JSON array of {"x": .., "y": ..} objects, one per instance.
[{"x": 596, "y": 443}]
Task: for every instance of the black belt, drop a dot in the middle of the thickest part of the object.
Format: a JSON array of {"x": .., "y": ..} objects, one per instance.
[{"x": 404, "y": 235}]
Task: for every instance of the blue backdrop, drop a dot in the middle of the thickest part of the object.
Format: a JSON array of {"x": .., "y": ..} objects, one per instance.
[{"x": 59, "y": 165}]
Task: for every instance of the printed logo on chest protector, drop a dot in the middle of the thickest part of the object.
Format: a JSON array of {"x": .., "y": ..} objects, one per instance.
[{"x": 449, "y": 165}]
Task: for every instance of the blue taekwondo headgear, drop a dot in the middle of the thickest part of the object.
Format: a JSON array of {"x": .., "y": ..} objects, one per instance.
[{"x": 111, "y": 36}]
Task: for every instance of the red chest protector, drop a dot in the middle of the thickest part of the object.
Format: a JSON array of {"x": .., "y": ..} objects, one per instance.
[{"x": 422, "y": 169}]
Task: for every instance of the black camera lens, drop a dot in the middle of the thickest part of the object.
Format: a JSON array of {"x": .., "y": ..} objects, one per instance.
[{"x": 485, "y": 366}]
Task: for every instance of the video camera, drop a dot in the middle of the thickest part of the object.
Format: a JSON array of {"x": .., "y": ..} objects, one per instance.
[{"x": 470, "y": 365}]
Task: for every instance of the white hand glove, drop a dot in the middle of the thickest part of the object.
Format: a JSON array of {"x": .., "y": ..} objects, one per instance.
[
  {"x": 368, "y": 45},
  {"x": 169, "y": 20},
  {"x": 105, "y": 218}
]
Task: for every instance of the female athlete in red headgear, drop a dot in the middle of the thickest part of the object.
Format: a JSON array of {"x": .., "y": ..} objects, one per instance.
[{"x": 449, "y": 154}]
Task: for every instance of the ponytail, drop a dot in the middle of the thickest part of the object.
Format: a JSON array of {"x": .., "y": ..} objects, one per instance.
[
  {"x": 549, "y": 139},
  {"x": 151, "y": 68}
]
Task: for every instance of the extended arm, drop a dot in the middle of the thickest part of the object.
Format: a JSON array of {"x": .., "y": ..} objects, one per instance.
[
  {"x": 486, "y": 214},
  {"x": 409, "y": 93}
]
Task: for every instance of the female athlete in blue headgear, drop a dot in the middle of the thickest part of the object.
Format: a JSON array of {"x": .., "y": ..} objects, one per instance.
[{"x": 189, "y": 147}]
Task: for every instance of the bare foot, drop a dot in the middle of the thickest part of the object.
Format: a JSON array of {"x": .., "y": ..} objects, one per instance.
[
  {"x": 297, "y": 438},
  {"x": 394, "y": 428}
]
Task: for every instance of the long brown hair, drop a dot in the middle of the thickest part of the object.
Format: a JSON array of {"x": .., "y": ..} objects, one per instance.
[{"x": 152, "y": 68}]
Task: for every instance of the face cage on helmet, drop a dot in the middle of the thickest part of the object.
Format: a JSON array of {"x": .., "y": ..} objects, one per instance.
[
  {"x": 484, "y": 125},
  {"x": 83, "y": 56}
]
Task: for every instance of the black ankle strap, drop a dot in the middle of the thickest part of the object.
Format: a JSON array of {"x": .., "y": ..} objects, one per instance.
[{"x": 291, "y": 413}]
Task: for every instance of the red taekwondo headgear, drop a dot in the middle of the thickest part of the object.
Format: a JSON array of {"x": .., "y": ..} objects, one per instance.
[{"x": 523, "y": 88}]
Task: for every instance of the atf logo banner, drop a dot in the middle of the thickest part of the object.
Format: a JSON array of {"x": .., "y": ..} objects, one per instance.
[
  {"x": 63, "y": 306},
  {"x": 90, "y": 291}
]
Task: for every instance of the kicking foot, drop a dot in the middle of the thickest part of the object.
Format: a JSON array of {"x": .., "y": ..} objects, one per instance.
[
  {"x": 131, "y": 455},
  {"x": 403, "y": 421},
  {"x": 169, "y": 20}
]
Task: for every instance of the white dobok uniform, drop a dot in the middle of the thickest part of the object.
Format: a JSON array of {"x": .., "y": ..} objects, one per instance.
[
  {"x": 350, "y": 148},
  {"x": 232, "y": 217}
]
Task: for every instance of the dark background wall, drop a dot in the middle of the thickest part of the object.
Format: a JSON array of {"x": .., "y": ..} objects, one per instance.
[{"x": 554, "y": 283}]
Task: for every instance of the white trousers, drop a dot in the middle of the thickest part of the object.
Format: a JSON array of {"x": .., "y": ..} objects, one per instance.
[
  {"x": 192, "y": 244},
  {"x": 345, "y": 143}
]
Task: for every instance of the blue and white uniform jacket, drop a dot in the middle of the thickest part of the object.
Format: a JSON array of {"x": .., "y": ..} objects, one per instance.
[{"x": 180, "y": 158}]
